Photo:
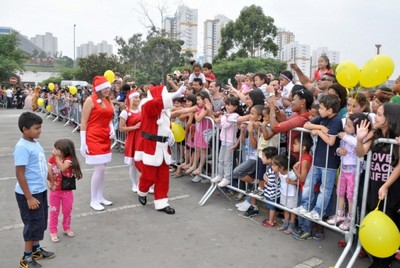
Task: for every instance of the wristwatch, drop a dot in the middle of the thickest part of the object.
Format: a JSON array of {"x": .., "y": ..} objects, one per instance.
[{"x": 272, "y": 94}]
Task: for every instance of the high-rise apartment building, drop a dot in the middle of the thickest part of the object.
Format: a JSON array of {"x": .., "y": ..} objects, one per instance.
[
  {"x": 184, "y": 27},
  {"x": 299, "y": 54},
  {"x": 212, "y": 36},
  {"x": 47, "y": 42},
  {"x": 85, "y": 50},
  {"x": 282, "y": 39},
  {"x": 334, "y": 56}
]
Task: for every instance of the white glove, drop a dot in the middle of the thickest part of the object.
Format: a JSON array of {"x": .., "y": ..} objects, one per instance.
[
  {"x": 171, "y": 139},
  {"x": 112, "y": 131},
  {"x": 179, "y": 93},
  {"x": 84, "y": 149}
]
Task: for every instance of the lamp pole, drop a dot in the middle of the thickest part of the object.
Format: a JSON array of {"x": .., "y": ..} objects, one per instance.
[
  {"x": 378, "y": 47},
  {"x": 74, "y": 44}
]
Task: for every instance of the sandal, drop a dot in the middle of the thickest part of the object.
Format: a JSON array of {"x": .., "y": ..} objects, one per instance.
[
  {"x": 69, "y": 233},
  {"x": 196, "y": 172},
  {"x": 54, "y": 238},
  {"x": 267, "y": 224}
]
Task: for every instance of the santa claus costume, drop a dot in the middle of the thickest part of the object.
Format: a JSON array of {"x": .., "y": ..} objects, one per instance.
[
  {"x": 152, "y": 155},
  {"x": 130, "y": 122},
  {"x": 96, "y": 131}
]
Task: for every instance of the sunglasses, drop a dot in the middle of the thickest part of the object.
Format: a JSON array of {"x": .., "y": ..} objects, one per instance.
[{"x": 325, "y": 79}]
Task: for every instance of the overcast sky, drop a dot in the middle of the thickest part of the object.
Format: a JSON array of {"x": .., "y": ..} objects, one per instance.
[{"x": 352, "y": 27}]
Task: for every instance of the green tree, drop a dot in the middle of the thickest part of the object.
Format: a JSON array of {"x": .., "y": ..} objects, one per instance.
[
  {"x": 130, "y": 51},
  {"x": 64, "y": 62},
  {"x": 229, "y": 68},
  {"x": 252, "y": 33},
  {"x": 97, "y": 64},
  {"x": 11, "y": 57}
]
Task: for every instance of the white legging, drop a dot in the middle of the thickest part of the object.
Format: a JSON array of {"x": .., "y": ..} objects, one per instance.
[
  {"x": 133, "y": 175},
  {"x": 97, "y": 184}
]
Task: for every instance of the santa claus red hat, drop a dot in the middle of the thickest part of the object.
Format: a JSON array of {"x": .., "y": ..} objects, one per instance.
[{"x": 100, "y": 83}]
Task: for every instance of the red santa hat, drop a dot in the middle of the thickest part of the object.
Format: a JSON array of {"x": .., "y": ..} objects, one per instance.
[
  {"x": 100, "y": 83},
  {"x": 130, "y": 96}
]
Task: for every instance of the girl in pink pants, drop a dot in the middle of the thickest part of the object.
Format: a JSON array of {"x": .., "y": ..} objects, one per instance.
[{"x": 63, "y": 161}]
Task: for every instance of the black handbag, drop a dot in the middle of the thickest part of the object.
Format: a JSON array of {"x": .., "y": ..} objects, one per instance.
[{"x": 68, "y": 183}]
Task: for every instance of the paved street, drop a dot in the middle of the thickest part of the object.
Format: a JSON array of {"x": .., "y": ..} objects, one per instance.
[{"x": 130, "y": 235}]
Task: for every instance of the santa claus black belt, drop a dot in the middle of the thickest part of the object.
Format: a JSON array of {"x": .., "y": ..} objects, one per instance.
[{"x": 154, "y": 137}]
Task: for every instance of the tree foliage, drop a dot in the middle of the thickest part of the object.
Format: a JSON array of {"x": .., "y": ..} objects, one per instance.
[
  {"x": 97, "y": 64},
  {"x": 250, "y": 34},
  {"x": 11, "y": 57},
  {"x": 229, "y": 68}
]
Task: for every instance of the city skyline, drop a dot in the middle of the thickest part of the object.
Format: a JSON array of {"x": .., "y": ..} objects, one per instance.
[{"x": 350, "y": 27}]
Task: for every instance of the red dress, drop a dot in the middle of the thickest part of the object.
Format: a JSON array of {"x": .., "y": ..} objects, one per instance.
[
  {"x": 132, "y": 118},
  {"x": 98, "y": 133}
]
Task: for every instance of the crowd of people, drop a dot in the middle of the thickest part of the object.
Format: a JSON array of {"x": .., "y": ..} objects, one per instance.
[{"x": 259, "y": 144}]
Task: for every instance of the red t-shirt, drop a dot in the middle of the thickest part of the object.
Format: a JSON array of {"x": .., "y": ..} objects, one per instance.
[
  {"x": 318, "y": 74},
  {"x": 305, "y": 157},
  {"x": 57, "y": 172}
]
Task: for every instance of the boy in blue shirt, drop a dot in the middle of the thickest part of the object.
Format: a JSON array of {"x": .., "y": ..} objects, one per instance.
[
  {"x": 31, "y": 188},
  {"x": 326, "y": 126}
]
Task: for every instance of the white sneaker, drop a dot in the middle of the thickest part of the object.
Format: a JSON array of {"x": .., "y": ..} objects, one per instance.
[
  {"x": 196, "y": 179},
  {"x": 312, "y": 215},
  {"x": 224, "y": 183},
  {"x": 216, "y": 179},
  {"x": 300, "y": 210},
  {"x": 96, "y": 206},
  {"x": 105, "y": 202},
  {"x": 245, "y": 207},
  {"x": 238, "y": 205}
]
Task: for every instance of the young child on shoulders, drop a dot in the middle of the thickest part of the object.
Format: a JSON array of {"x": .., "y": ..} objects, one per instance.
[
  {"x": 62, "y": 162},
  {"x": 323, "y": 67},
  {"x": 196, "y": 68},
  {"x": 287, "y": 178},
  {"x": 31, "y": 188}
]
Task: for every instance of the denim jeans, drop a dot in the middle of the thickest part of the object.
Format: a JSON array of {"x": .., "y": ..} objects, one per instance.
[
  {"x": 316, "y": 175},
  {"x": 248, "y": 167}
]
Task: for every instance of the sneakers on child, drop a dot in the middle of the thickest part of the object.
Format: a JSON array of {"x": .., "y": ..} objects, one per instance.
[
  {"x": 312, "y": 215},
  {"x": 252, "y": 211},
  {"x": 244, "y": 207},
  {"x": 238, "y": 205},
  {"x": 319, "y": 236},
  {"x": 224, "y": 182},
  {"x": 216, "y": 179},
  {"x": 196, "y": 179},
  {"x": 336, "y": 219},
  {"x": 43, "y": 254},
  {"x": 345, "y": 225},
  {"x": 300, "y": 210},
  {"x": 303, "y": 236},
  {"x": 29, "y": 262}
]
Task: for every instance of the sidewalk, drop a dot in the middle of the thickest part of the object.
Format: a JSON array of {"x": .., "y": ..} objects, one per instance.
[{"x": 130, "y": 235}]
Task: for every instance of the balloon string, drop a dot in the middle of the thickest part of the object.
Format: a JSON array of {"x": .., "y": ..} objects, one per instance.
[{"x": 377, "y": 206}]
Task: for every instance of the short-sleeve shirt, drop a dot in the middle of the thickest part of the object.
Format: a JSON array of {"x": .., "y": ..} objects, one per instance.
[
  {"x": 334, "y": 126},
  {"x": 193, "y": 76},
  {"x": 57, "y": 175},
  {"x": 31, "y": 155}
]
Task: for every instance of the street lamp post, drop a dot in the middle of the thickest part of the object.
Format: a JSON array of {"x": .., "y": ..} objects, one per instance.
[
  {"x": 378, "y": 47},
  {"x": 74, "y": 44}
]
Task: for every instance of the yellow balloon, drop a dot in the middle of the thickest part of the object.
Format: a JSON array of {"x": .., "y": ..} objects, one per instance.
[
  {"x": 376, "y": 71},
  {"x": 178, "y": 132},
  {"x": 379, "y": 235},
  {"x": 73, "y": 90},
  {"x": 48, "y": 108},
  {"x": 348, "y": 74},
  {"x": 51, "y": 86},
  {"x": 40, "y": 102},
  {"x": 109, "y": 75}
]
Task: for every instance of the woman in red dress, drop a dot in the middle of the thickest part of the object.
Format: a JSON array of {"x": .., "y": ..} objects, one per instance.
[
  {"x": 129, "y": 122},
  {"x": 96, "y": 134}
]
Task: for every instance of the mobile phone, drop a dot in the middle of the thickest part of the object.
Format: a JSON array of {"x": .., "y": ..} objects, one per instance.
[{"x": 229, "y": 81}]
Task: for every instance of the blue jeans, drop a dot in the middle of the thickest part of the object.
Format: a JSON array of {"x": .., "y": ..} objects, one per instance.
[
  {"x": 248, "y": 167},
  {"x": 325, "y": 191}
]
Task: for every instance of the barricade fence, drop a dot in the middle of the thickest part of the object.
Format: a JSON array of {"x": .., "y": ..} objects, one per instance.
[{"x": 203, "y": 145}]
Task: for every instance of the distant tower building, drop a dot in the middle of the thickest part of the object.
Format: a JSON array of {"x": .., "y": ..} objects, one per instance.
[
  {"x": 298, "y": 53},
  {"x": 282, "y": 39},
  {"x": 90, "y": 48},
  {"x": 334, "y": 56},
  {"x": 212, "y": 36},
  {"x": 47, "y": 42},
  {"x": 184, "y": 27}
]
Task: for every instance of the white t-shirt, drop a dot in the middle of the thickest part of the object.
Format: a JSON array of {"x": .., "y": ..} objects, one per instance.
[{"x": 193, "y": 76}]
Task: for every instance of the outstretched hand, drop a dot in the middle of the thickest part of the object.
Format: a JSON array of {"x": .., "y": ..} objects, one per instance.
[{"x": 362, "y": 130}]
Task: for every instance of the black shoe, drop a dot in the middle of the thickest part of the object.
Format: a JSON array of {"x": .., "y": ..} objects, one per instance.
[
  {"x": 43, "y": 254},
  {"x": 252, "y": 211},
  {"x": 142, "y": 200},
  {"x": 29, "y": 262},
  {"x": 167, "y": 210}
]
